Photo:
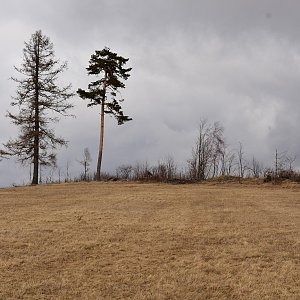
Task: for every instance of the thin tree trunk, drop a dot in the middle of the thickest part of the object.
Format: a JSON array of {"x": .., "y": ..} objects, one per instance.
[
  {"x": 85, "y": 170},
  {"x": 101, "y": 143},
  {"x": 35, "y": 178},
  {"x": 276, "y": 166},
  {"x": 98, "y": 174},
  {"x": 36, "y": 145}
]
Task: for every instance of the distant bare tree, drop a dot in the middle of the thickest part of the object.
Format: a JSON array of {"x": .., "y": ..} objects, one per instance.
[
  {"x": 124, "y": 171},
  {"x": 59, "y": 174},
  {"x": 166, "y": 169},
  {"x": 284, "y": 166},
  {"x": 290, "y": 162},
  {"x": 207, "y": 153},
  {"x": 85, "y": 162},
  {"x": 141, "y": 171},
  {"x": 256, "y": 168},
  {"x": 159, "y": 171},
  {"x": 279, "y": 163},
  {"x": 136, "y": 171},
  {"x": 49, "y": 176},
  {"x": 67, "y": 179},
  {"x": 241, "y": 161},
  {"x": 227, "y": 161},
  {"x": 217, "y": 149},
  {"x": 171, "y": 167}
]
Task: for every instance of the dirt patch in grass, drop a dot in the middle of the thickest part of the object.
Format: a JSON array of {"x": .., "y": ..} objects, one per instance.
[{"x": 150, "y": 241}]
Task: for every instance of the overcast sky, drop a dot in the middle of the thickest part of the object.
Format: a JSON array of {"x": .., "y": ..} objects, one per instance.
[{"x": 232, "y": 61}]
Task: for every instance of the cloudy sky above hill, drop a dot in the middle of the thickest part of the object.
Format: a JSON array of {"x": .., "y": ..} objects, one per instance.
[{"x": 233, "y": 61}]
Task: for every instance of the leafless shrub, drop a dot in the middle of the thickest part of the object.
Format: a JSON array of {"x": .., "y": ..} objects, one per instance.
[
  {"x": 142, "y": 171},
  {"x": 255, "y": 168},
  {"x": 124, "y": 172},
  {"x": 165, "y": 170}
]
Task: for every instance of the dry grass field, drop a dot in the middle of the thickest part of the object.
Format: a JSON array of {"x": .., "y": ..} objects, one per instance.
[{"x": 150, "y": 241}]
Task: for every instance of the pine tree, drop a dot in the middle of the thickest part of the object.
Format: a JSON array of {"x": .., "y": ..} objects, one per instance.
[
  {"x": 37, "y": 96},
  {"x": 109, "y": 66}
]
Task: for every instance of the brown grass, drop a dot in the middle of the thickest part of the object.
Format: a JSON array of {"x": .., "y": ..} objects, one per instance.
[{"x": 150, "y": 241}]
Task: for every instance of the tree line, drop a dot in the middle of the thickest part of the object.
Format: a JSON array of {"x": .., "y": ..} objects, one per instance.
[
  {"x": 40, "y": 102},
  {"x": 211, "y": 157}
]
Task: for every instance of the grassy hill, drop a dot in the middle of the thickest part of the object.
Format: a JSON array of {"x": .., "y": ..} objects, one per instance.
[{"x": 150, "y": 241}]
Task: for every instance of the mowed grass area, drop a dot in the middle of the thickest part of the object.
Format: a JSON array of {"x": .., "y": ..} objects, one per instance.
[{"x": 150, "y": 241}]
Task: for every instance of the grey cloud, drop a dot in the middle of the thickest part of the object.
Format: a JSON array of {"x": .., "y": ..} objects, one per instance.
[{"x": 235, "y": 61}]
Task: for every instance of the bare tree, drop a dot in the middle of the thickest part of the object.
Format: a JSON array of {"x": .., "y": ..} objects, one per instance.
[
  {"x": 227, "y": 161},
  {"x": 256, "y": 168},
  {"x": 67, "y": 179},
  {"x": 241, "y": 161},
  {"x": 37, "y": 95},
  {"x": 141, "y": 171},
  {"x": 85, "y": 162},
  {"x": 207, "y": 153},
  {"x": 137, "y": 171},
  {"x": 124, "y": 171},
  {"x": 284, "y": 166},
  {"x": 165, "y": 169},
  {"x": 170, "y": 167},
  {"x": 59, "y": 174},
  {"x": 290, "y": 162},
  {"x": 218, "y": 145},
  {"x": 277, "y": 162}
]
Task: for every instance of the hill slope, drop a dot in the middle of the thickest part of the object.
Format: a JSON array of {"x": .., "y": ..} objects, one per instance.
[{"x": 149, "y": 241}]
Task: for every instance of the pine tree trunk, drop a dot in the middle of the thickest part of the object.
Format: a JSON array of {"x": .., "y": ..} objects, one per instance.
[
  {"x": 98, "y": 174},
  {"x": 98, "y": 177}
]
